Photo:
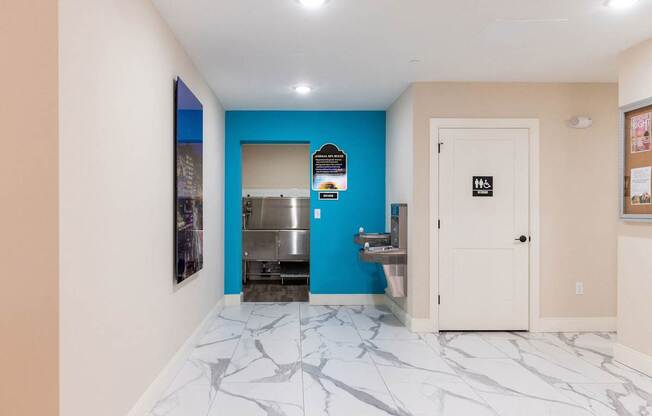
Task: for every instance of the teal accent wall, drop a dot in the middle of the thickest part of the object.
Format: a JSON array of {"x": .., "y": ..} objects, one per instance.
[{"x": 335, "y": 268}]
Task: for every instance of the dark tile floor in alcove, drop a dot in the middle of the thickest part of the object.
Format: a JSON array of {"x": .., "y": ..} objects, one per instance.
[{"x": 275, "y": 292}]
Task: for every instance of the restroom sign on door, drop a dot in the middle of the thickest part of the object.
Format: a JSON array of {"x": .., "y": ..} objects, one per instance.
[{"x": 483, "y": 186}]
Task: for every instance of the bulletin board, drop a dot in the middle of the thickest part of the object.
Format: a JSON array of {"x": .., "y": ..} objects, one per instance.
[{"x": 636, "y": 162}]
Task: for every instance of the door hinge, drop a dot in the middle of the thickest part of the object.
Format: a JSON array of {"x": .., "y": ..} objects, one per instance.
[
  {"x": 438, "y": 299},
  {"x": 439, "y": 145},
  {"x": 438, "y": 224}
]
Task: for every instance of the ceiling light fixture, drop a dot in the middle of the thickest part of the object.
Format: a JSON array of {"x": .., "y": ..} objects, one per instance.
[
  {"x": 303, "y": 89},
  {"x": 312, "y": 4},
  {"x": 620, "y": 4}
]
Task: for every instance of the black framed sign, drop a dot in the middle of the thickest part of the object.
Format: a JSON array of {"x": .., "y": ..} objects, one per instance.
[
  {"x": 329, "y": 169},
  {"x": 483, "y": 186},
  {"x": 329, "y": 196}
]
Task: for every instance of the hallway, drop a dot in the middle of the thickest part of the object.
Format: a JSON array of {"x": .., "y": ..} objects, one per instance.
[
  {"x": 297, "y": 359},
  {"x": 187, "y": 184}
]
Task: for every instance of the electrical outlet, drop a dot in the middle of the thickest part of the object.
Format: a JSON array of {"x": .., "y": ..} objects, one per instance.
[
  {"x": 579, "y": 288},
  {"x": 317, "y": 213}
]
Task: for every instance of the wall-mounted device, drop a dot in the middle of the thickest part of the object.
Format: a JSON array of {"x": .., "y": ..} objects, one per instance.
[
  {"x": 398, "y": 222},
  {"x": 389, "y": 250},
  {"x": 580, "y": 122}
]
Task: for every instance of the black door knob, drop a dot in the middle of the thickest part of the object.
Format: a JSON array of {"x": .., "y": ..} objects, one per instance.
[{"x": 522, "y": 239}]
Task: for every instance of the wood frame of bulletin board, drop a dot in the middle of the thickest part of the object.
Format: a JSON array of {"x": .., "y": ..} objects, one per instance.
[{"x": 636, "y": 161}]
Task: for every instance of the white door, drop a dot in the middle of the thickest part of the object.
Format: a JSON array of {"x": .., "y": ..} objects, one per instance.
[{"x": 483, "y": 212}]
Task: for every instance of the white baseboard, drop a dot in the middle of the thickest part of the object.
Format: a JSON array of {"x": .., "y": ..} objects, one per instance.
[
  {"x": 232, "y": 300},
  {"x": 286, "y": 192},
  {"x": 598, "y": 324},
  {"x": 411, "y": 323},
  {"x": 172, "y": 368},
  {"x": 347, "y": 300},
  {"x": 634, "y": 359}
]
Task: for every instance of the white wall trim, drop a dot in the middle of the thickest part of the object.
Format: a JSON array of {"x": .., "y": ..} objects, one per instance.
[
  {"x": 634, "y": 359},
  {"x": 597, "y": 324},
  {"x": 461, "y": 123},
  {"x": 172, "y": 368},
  {"x": 232, "y": 300},
  {"x": 346, "y": 300},
  {"x": 411, "y": 323},
  {"x": 286, "y": 192}
]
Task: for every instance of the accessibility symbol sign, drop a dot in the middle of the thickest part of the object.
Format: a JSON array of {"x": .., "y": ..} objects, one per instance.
[{"x": 483, "y": 186}]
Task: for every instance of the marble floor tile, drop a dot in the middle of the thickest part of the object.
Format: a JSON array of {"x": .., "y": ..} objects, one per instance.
[
  {"x": 258, "y": 399},
  {"x": 331, "y": 323},
  {"x": 510, "y": 405},
  {"x": 277, "y": 309},
  {"x": 594, "y": 348},
  {"x": 600, "y": 343},
  {"x": 510, "y": 389},
  {"x": 497, "y": 375},
  {"x": 314, "y": 348},
  {"x": 408, "y": 361},
  {"x": 294, "y": 359},
  {"x": 264, "y": 361},
  {"x": 324, "y": 315},
  {"x": 235, "y": 314},
  {"x": 374, "y": 322},
  {"x": 337, "y": 386},
  {"x": 192, "y": 392},
  {"x": 636, "y": 380},
  {"x": 221, "y": 337},
  {"x": 466, "y": 345},
  {"x": 610, "y": 399},
  {"x": 553, "y": 363},
  {"x": 488, "y": 335},
  {"x": 274, "y": 321},
  {"x": 439, "y": 399},
  {"x": 343, "y": 333}
]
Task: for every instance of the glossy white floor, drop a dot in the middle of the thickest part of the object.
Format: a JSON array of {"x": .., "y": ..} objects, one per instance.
[{"x": 296, "y": 359}]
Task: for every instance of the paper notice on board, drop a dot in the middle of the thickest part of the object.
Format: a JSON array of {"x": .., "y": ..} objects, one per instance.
[
  {"x": 641, "y": 133},
  {"x": 640, "y": 186}
]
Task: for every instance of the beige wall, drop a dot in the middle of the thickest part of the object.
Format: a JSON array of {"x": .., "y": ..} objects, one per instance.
[
  {"x": 635, "y": 77},
  {"x": 276, "y": 166},
  {"x": 29, "y": 209},
  {"x": 634, "y": 288},
  {"x": 635, "y": 238},
  {"x": 121, "y": 318},
  {"x": 578, "y": 220}
]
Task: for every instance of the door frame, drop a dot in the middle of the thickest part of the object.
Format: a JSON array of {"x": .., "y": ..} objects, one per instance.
[{"x": 534, "y": 247}]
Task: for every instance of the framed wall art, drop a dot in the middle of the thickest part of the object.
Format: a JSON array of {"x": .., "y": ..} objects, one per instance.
[{"x": 189, "y": 221}]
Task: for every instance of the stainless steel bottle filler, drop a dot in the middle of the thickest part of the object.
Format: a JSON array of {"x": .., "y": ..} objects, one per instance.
[{"x": 389, "y": 250}]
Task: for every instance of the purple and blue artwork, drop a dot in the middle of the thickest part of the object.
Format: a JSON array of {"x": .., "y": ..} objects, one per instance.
[{"x": 189, "y": 227}]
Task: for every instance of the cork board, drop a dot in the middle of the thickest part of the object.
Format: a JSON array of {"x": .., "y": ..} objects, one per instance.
[{"x": 637, "y": 163}]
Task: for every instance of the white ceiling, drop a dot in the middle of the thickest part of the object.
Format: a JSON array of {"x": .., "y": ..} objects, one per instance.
[{"x": 357, "y": 53}]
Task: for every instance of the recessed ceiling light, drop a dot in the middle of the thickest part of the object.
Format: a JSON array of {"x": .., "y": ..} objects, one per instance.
[
  {"x": 621, "y": 4},
  {"x": 303, "y": 89},
  {"x": 312, "y": 4}
]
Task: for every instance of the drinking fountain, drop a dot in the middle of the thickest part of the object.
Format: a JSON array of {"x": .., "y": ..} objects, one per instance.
[{"x": 388, "y": 250}]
